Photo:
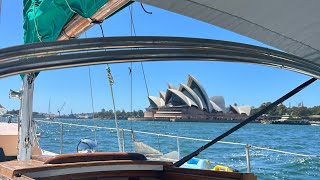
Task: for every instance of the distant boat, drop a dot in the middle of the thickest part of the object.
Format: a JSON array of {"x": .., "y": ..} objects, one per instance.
[
  {"x": 49, "y": 118},
  {"x": 315, "y": 123},
  {"x": 287, "y": 119},
  {"x": 265, "y": 122}
]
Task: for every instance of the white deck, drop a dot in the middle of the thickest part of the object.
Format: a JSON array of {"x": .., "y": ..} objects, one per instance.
[
  {"x": 8, "y": 128},
  {"x": 9, "y": 138}
]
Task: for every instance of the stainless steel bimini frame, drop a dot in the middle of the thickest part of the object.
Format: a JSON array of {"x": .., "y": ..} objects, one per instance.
[
  {"x": 63, "y": 54},
  {"x": 81, "y": 52}
]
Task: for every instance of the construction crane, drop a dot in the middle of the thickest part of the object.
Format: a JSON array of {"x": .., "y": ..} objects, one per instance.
[{"x": 59, "y": 110}]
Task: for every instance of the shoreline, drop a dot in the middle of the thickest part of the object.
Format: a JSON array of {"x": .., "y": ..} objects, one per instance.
[{"x": 192, "y": 120}]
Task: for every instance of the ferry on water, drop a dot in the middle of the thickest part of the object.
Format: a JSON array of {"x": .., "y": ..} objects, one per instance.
[{"x": 288, "y": 119}]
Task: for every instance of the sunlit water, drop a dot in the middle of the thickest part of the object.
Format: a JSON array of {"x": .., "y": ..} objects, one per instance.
[{"x": 265, "y": 164}]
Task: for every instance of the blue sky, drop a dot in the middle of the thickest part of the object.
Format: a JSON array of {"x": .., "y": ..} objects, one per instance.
[{"x": 243, "y": 84}]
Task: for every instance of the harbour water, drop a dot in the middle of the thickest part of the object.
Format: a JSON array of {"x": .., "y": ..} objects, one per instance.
[{"x": 265, "y": 164}]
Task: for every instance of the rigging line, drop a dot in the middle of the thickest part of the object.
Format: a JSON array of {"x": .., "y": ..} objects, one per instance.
[
  {"x": 35, "y": 21},
  {"x": 243, "y": 123},
  {"x": 148, "y": 12},
  {"x": 133, "y": 29},
  {"x": 131, "y": 102},
  {"x": 102, "y": 32},
  {"x": 111, "y": 82},
  {"x": 130, "y": 72},
  {"x": 145, "y": 81},
  {"x": 144, "y": 76},
  {"x": 135, "y": 34},
  {"x": 92, "y": 104},
  {"x": 131, "y": 20},
  {"x": 130, "y": 68}
]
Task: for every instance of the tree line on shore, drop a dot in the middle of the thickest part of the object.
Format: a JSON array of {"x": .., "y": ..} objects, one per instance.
[
  {"x": 299, "y": 111},
  {"x": 281, "y": 109},
  {"x": 104, "y": 114}
]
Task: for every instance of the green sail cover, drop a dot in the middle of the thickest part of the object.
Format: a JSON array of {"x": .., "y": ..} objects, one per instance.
[{"x": 45, "y": 19}]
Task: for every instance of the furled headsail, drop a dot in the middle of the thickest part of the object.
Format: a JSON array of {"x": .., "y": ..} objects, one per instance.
[{"x": 45, "y": 20}]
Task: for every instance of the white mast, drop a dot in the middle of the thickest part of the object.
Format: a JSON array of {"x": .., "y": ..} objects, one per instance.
[
  {"x": 25, "y": 136},
  {"x": 49, "y": 107}
]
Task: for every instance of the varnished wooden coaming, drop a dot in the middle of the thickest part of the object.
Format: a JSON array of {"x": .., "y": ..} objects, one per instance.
[
  {"x": 129, "y": 169},
  {"x": 86, "y": 157},
  {"x": 171, "y": 172},
  {"x": 118, "y": 168}
]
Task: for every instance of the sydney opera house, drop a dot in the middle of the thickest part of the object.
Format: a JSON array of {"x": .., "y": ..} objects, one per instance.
[{"x": 190, "y": 101}]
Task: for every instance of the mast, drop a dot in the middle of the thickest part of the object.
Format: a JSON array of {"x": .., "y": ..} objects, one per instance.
[
  {"x": 49, "y": 107},
  {"x": 32, "y": 35},
  {"x": 25, "y": 130}
]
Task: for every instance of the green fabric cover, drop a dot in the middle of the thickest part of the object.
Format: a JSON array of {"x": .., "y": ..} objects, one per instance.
[{"x": 50, "y": 16}]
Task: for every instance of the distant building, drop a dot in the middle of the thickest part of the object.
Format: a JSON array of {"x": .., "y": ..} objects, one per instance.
[{"x": 190, "y": 101}]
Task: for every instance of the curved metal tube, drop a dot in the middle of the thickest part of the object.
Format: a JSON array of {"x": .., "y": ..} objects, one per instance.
[{"x": 81, "y": 52}]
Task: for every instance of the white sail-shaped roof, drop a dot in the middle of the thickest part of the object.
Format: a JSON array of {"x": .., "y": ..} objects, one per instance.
[
  {"x": 241, "y": 109},
  {"x": 215, "y": 107},
  {"x": 162, "y": 95},
  {"x": 289, "y": 25},
  {"x": 234, "y": 109},
  {"x": 170, "y": 86},
  {"x": 219, "y": 101},
  {"x": 184, "y": 100},
  {"x": 156, "y": 102},
  {"x": 186, "y": 90},
  {"x": 199, "y": 90},
  {"x": 245, "y": 110}
]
